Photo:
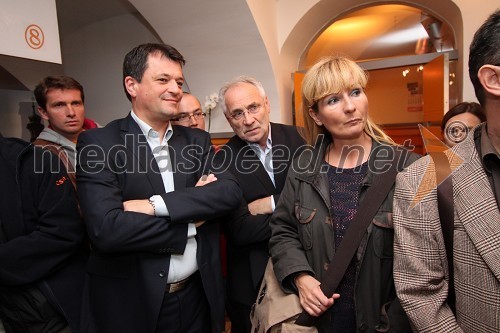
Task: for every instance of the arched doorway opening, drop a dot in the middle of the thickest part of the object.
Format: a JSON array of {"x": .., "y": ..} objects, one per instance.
[{"x": 394, "y": 42}]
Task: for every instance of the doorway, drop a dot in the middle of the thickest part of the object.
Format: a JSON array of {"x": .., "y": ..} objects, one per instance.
[{"x": 394, "y": 43}]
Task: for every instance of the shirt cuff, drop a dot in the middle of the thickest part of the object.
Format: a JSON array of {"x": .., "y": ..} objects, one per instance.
[
  {"x": 191, "y": 230},
  {"x": 160, "y": 207},
  {"x": 273, "y": 204}
]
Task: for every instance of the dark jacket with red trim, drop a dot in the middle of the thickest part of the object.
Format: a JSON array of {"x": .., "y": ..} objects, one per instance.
[{"x": 41, "y": 229}]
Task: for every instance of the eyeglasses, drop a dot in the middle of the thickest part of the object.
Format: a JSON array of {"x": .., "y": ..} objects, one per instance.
[
  {"x": 239, "y": 114},
  {"x": 185, "y": 117}
]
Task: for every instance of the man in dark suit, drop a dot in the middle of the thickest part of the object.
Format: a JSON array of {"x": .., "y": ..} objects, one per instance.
[
  {"x": 155, "y": 263},
  {"x": 258, "y": 156}
]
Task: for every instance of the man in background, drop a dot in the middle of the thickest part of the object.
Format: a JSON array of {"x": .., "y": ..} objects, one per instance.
[
  {"x": 421, "y": 272},
  {"x": 60, "y": 102},
  {"x": 258, "y": 156},
  {"x": 190, "y": 112}
]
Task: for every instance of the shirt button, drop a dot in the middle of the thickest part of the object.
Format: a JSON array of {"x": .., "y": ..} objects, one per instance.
[{"x": 162, "y": 273}]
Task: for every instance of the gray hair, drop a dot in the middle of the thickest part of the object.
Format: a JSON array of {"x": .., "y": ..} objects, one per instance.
[{"x": 236, "y": 81}]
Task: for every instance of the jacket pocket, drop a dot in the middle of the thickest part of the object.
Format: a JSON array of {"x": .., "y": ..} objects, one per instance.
[
  {"x": 305, "y": 216},
  {"x": 383, "y": 235}
]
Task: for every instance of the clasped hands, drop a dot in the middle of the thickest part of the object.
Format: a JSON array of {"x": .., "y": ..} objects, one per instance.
[
  {"x": 311, "y": 296},
  {"x": 143, "y": 205}
]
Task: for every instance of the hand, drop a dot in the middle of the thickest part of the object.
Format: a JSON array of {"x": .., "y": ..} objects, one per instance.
[
  {"x": 311, "y": 297},
  {"x": 261, "y": 206},
  {"x": 206, "y": 179},
  {"x": 139, "y": 206}
]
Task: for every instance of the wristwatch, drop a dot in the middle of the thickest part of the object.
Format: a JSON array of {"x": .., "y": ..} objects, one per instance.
[{"x": 152, "y": 203}]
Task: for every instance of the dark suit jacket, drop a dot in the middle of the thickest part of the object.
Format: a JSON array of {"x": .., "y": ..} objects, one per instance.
[
  {"x": 41, "y": 233},
  {"x": 128, "y": 266},
  {"x": 248, "y": 235}
]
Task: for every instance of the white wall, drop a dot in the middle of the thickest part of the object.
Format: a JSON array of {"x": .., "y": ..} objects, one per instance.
[
  {"x": 94, "y": 56},
  {"x": 299, "y": 21},
  {"x": 16, "y": 106},
  {"x": 219, "y": 40},
  {"x": 473, "y": 15}
]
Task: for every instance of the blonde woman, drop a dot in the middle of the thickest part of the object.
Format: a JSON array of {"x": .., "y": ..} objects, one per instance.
[{"x": 324, "y": 190}]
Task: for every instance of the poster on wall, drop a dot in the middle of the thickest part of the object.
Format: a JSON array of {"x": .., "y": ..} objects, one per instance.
[
  {"x": 28, "y": 29},
  {"x": 415, "y": 98}
]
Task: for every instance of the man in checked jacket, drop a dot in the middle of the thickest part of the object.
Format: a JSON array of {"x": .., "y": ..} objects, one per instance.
[{"x": 421, "y": 269}]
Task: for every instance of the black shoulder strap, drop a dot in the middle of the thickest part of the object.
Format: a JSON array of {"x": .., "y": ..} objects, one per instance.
[
  {"x": 374, "y": 198},
  {"x": 445, "y": 202}
]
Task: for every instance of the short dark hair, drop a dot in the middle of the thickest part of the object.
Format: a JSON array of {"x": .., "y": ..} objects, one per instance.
[
  {"x": 484, "y": 49},
  {"x": 136, "y": 61},
  {"x": 464, "y": 107},
  {"x": 55, "y": 82}
]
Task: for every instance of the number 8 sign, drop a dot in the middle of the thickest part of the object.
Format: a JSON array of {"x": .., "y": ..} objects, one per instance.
[{"x": 34, "y": 36}]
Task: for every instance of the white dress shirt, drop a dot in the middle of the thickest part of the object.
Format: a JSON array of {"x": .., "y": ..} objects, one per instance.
[
  {"x": 266, "y": 158},
  {"x": 181, "y": 265}
]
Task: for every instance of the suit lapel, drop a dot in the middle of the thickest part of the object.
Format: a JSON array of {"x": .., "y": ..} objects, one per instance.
[
  {"x": 176, "y": 143},
  {"x": 248, "y": 160},
  {"x": 281, "y": 155},
  {"x": 477, "y": 209},
  {"x": 135, "y": 141}
]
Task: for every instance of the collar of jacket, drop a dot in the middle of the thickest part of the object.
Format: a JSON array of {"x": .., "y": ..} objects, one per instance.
[{"x": 312, "y": 173}]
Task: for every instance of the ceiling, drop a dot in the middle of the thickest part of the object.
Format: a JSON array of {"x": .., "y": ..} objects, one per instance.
[
  {"x": 370, "y": 33},
  {"x": 76, "y": 14},
  {"x": 380, "y": 32},
  {"x": 71, "y": 15}
]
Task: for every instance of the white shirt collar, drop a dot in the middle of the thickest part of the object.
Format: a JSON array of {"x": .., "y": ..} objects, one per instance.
[
  {"x": 149, "y": 132},
  {"x": 269, "y": 142}
]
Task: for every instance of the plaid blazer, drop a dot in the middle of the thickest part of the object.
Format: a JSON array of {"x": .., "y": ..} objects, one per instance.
[{"x": 420, "y": 265}]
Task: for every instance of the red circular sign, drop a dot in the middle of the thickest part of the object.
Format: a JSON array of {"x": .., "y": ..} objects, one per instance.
[{"x": 34, "y": 36}]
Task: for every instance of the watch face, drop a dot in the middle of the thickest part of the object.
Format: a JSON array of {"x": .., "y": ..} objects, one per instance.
[{"x": 152, "y": 203}]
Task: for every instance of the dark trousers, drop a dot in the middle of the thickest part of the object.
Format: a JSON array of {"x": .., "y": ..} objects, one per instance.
[
  {"x": 185, "y": 311},
  {"x": 239, "y": 314}
]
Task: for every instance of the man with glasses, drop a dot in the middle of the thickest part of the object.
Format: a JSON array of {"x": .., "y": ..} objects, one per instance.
[
  {"x": 190, "y": 112},
  {"x": 258, "y": 156}
]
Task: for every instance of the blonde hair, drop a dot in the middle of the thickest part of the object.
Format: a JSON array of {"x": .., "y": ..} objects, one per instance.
[{"x": 331, "y": 75}]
